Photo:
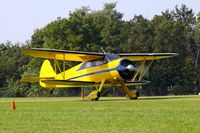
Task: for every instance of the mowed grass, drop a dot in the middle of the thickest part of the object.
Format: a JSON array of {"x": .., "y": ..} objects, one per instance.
[{"x": 173, "y": 114}]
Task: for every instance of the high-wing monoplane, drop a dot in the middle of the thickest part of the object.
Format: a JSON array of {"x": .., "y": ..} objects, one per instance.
[{"x": 95, "y": 69}]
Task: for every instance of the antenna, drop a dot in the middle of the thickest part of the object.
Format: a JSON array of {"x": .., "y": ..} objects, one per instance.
[{"x": 103, "y": 50}]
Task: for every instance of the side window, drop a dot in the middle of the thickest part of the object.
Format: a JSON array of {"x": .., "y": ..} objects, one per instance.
[
  {"x": 88, "y": 64},
  {"x": 98, "y": 63}
]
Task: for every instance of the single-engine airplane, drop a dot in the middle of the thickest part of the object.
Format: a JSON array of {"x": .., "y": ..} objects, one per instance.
[{"x": 95, "y": 70}]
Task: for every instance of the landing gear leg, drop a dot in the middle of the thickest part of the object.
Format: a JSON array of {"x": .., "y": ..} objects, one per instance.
[
  {"x": 133, "y": 94},
  {"x": 95, "y": 94}
]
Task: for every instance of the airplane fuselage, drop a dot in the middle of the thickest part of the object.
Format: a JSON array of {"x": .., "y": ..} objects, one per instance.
[{"x": 96, "y": 71}]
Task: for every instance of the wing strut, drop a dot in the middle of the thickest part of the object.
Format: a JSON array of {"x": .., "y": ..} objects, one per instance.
[
  {"x": 56, "y": 65},
  {"x": 142, "y": 70},
  {"x": 64, "y": 65}
]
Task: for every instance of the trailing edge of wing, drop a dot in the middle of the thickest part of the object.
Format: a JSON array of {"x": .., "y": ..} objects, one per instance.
[
  {"x": 147, "y": 56},
  {"x": 62, "y": 54}
]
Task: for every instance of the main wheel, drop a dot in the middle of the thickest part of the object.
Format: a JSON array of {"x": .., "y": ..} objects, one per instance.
[
  {"x": 133, "y": 95},
  {"x": 94, "y": 95}
]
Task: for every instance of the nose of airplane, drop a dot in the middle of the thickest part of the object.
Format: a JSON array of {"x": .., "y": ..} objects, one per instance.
[{"x": 126, "y": 69}]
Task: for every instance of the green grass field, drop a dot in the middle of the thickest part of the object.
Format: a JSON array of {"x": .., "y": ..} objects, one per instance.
[{"x": 177, "y": 114}]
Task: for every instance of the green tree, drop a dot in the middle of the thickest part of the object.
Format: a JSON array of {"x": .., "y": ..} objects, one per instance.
[
  {"x": 11, "y": 62},
  {"x": 86, "y": 30}
]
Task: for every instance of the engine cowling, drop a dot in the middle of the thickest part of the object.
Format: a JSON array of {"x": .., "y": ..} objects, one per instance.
[{"x": 126, "y": 69}]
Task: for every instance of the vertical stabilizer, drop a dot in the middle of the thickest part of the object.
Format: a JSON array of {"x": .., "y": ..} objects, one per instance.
[{"x": 46, "y": 70}]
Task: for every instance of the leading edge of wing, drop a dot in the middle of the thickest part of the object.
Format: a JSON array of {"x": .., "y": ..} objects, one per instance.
[
  {"x": 62, "y": 54},
  {"x": 147, "y": 56}
]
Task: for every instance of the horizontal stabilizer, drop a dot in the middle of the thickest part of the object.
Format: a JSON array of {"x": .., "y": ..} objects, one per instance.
[{"x": 34, "y": 79}]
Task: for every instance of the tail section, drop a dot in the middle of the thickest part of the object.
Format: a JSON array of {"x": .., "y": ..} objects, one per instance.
[{"x": 46, "y": 72}]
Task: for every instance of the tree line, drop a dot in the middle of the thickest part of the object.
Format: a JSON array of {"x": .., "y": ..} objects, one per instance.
[{"x": 176, "y": 30}]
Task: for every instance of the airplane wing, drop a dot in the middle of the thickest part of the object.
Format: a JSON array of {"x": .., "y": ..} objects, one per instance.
[
  {"x": 62, "y": 54},
  {"x": 87, "y": 56},
  {"x": 67, "y": 83},
  {"x": 147, "y": 56},
  {"x": 132, "y": 83}
]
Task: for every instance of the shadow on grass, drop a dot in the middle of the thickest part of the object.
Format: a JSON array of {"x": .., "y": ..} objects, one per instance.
[
  {"x": 107, "y": 99},
  {"x": 141, "y": 98},
  {"x": 166, "y": 97},
  {"x": 114, "y": 99}
]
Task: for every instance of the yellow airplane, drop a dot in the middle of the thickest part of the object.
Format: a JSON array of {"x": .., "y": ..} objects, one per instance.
[{"x": 95, "y": 70}]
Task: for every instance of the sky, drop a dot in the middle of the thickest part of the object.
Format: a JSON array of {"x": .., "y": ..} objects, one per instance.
[{"x": 19, "y": 18}]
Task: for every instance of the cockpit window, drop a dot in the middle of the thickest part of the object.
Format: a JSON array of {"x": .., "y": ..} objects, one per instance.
[
  {"x": 106, "y": 59},
  {"x": 93, "y": 63}
]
